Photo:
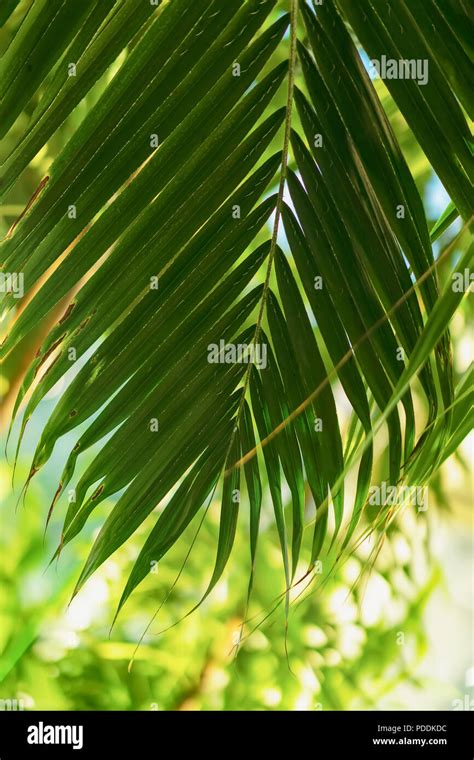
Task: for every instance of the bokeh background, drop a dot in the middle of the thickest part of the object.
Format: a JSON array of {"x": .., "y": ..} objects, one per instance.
[{"x": 389, "y": 628}]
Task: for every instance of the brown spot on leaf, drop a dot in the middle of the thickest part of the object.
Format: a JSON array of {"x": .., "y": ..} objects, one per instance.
[
  {"x": 97, "y": 492},
  {"x": 66, "y": 314},
  {"x": 48, "y": 352}
]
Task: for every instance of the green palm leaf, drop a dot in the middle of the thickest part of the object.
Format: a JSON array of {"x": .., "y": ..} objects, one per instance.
[{"x": 153, "y": 221}]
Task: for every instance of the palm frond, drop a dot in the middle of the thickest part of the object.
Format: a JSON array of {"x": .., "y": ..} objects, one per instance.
[{"x": 155, "y": 216}]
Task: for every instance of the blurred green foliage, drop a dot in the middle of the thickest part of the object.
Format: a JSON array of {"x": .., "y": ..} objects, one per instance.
[{"x": 344, "y": 650}]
